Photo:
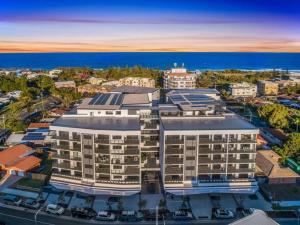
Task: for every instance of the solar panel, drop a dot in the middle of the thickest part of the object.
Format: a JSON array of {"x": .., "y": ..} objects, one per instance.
[
  {"x": 114, "y": 99},
  {"x": 33, "y": 138},
  {"x": 120, "y": 99},
  {"x": 95, "y": 98}
]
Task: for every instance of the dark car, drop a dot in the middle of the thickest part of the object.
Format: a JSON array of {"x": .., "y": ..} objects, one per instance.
[
  {"x": 12, "y": 200},
  {"x": 85, "y": 213}
]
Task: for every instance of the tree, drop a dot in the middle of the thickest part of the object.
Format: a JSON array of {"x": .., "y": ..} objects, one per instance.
[
  {"x": 276, "y": 115},
  {"x": 291, "y": 148}
]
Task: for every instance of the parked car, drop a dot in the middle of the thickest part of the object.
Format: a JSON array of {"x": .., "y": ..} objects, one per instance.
[
  {"x": 182, "y": 215},
  {"x": 55, "y": 209},
  {"x": 85, "y": 213},
  {"x": 130, "y": 216},
  {"x": 105, "y": 216},
  {"x": 31, "y": 203},
  {"x": 247, "y": 212},
  {"x": 12, "y": 200},
  {"x": 223, "y": 214}
]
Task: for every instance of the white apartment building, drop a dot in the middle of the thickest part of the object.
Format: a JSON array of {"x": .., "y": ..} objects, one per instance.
[
  {"x": 137, "y": 81},
  {"x": 111, "y": 143},
  {"x": 179, "y": 78},
  {"x": 243, "y": 89}
]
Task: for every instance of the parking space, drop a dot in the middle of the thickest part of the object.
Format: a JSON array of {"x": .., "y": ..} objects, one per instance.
[
  {"x": 131, "y": 202},
  {"x": 79, "y": 200},
  {"x": 201, "y": 206},
  {"x": 227, "y": 201},
  {"x": 174, "y": 202},
  {"x": 100, "y": 203},
  {"x": 152, "y": 200},
  {"x": 52, "y": 198},
  {"x": 258, "y": 202}
]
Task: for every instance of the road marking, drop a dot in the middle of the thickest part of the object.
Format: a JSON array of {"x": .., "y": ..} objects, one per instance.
[
  {"x": 18, "y": 217},
  {"x": 37, "y": 212}
]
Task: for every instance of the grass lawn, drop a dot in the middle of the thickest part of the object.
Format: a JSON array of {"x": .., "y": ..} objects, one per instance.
[{"x": 30, "y": 183}]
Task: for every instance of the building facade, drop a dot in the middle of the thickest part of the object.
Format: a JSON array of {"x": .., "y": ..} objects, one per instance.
[
  {"x": 243, "y": 90},
  {"x": 179, "y": 78},
  {"x": 137, "y": 81},
  {"x": 112, "y": 142},
  {"x": 265, "y": 87}
]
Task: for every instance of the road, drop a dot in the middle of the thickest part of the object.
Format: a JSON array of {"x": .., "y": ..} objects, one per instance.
[{"x": 13, "y": 216}]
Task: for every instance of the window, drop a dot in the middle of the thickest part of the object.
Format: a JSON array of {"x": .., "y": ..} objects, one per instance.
[
  {"x": 117, "y": 147},
  {"x": 89, "y": 176},
  {"x": 88, "y": 166},
  {"x": 116, "y": 137},
  {"x": 88, "y": 156},
  {"x": 189, "y": 167},
  {"x": 109, "y": 112},
  {"x": 118, "y": 112}
]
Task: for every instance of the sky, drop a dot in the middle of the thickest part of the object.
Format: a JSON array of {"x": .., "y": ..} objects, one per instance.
[{"x": 150, "y": 26}]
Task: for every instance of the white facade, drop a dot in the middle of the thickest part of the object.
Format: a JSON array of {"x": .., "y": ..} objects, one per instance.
[
  {"x": 179, "y": 78},
  {"x": 243, "y": 90}
]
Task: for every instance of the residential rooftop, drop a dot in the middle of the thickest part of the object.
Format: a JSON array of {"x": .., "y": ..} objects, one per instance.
[
  {"x": 134, "y": 89},
  {"x": 98, "y": 123}
]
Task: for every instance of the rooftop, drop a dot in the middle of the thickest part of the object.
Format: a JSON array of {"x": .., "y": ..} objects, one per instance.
[
  {"x": 258, "y": 217},
  {"x": 11, "y": 155},
  {"x": 38, "y": 125},
  {"x": 27, "y": 163},
  {"x": 134, "y": 90},
  {"x": 224, "y": 122},
  {"x": 268, "y": 162},
  {"x": 98, "y": 123}
]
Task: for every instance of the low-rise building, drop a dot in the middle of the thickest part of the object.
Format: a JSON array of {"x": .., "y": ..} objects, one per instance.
[
  {"x": 153, "y": 93},
  {"x": 265, "y": 87},
  {"x": 137, "y": 81},
  {"x": 96, "y": 80},
  {"x": 65, "y": 84},
  {"x": 18, "y": 160},
  {"x": 179, "y": 78},
  {"x": 90, "y": 88},
  {"x": 269, "y": 163},
  {"x": 243, "y": 89}
]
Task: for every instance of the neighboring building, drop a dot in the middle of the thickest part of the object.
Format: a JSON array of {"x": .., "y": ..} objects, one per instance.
[
  {"x": 258, "y": 217},
  {"x": 55, "y": 72},
  {"x": 96, "y": 80},
  {"x": 153, "y": 93},
  {"x": 179, "y": 78},
  {"x": 57, "y": 112},
  {"x": 112, "y": 83},
  {"x": 90, "y": 88},
  {"x": 137, "y": 81},
  {"x": 65, "y": 84},
  {"x": 243, "y": 90},
  {"x": 18, "y": 160},
  {"x": 265, "y": 87},
  {"x": 112, "y": 144},
  {"x": 269, "y": 162},
  {"x": 37, "y": 134},
  {"x": 14, "y": 139},
  {"x": 35, "y": 126}
]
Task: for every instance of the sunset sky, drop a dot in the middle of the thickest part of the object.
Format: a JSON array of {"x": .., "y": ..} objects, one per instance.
[{"x": 154, "y": 25}]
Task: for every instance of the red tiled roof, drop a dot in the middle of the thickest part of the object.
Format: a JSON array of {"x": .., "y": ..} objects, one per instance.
[
  {"x": 27, "y": 163},
  {"x": 11, "y": 155}
]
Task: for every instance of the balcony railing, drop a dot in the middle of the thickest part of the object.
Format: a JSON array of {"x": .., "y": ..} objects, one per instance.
[
  {"x": 174, "y": 141},
  {"x": 240, "y": 170},
  {"x": 62, "y": 165},
  {"x": 173, "y": 170},
  {"x": 173, "y": 160},
  {"x": 131, "y": 141},
  {"x": 69, "y": 176},
  {"x": 61, "y": 156},
  {"x": 61, "y": 137},
  {"x": 174, "y": 151},
  {"x": 102, "y": 150},
  {"x": 150, "y": 143},
  {"x": 101, "y": 141},
  {"x": 102, "y": 170}
]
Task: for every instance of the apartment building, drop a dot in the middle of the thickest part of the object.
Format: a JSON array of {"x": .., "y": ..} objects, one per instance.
[
  {"x": 137, "y": 81},
  {"x": 110, "y": 143},
  {"x": 179, "y": 78},
  {"x": 265, "y": 87},
  {"x": 243, "y": 90}
]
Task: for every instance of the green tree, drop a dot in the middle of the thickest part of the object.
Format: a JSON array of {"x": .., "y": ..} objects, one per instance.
[{"x": 276, "y": 115}]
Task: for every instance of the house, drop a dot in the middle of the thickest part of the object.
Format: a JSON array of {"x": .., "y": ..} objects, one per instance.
[
  {"x": 90, "y": 88},
  {"x": 268, "y": 162},
  {"x": 18, "y": 160},
  {"x": 34, "y": 126},
  {"x": 57, "y": 112},
  {"x": 65, "y": 84},
  {"x": 96, "y": 80}
]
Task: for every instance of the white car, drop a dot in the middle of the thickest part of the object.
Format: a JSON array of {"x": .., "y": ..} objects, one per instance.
[
  {"x": 55, "y": 209},
  {"x": 105, "y": 216},
  {"x": 223, "y": 214}
]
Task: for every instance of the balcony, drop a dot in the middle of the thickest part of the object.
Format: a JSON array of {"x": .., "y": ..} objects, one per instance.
[
  {"x": 150, "y": 143},
  {"x": 243, "y": 140},
  {"x": 131, "y": 152},
  {"x": 102, "y": 150},
  {"x": 61, "y": 137},
  {"x": 77, "y": 167},
  {"x": 173, "y": 179},
  {"x": 173, "y": 160},
  {"x": 207, "y": 141},
  {"x": 174, "y": 151},
  {"x": 174, "y": 141},
  {"x": 173, "y": 170},
  {"x": 242, "y": 160},
  {"x": 65, "y": 175},
  {"x": 103, "y": 170},
  {"x": 101, "y": 141},
  {"x": 61, "y": 146},
  {"x": 102, "y": 161},
  {"x": 151, "y": 116},
  {"x": 150, "y": 126},
  {"x": 240, "y": 170},
  {"x": 208, "y": 170},
  {"x": 150, "y": 149},
  {"x": 62, "y": 165},
  {"x": 61, "y": 156},
  {"x": 75, "y": 158},
  {"x": 131, "y": 141},
  {"x": 244, "y": 150},
  {"x": 132, "y": 170}
]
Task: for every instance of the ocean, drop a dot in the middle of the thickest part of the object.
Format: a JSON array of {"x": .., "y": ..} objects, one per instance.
[{"x": 159, "y": 60}]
